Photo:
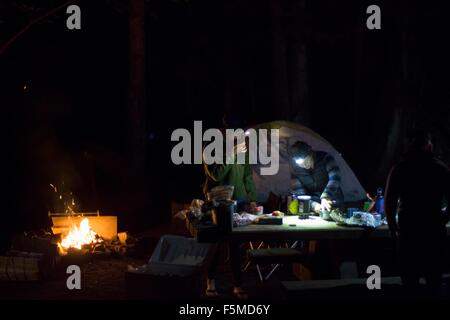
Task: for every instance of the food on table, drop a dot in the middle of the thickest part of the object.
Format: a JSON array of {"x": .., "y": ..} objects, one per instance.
[{"x": 277, "y": 213}]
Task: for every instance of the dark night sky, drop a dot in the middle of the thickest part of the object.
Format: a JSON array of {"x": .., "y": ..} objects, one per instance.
[{"x": 202, "y": 58}]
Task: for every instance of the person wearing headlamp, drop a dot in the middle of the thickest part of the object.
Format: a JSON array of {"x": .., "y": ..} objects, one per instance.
[{"x": 316, "y": 173}]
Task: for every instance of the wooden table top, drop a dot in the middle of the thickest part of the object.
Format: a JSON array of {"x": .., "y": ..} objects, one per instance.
[{"x": 313, "y": 228}]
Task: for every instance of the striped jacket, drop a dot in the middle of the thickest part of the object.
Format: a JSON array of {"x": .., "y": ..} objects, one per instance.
[{"x": 322, "y": 181}]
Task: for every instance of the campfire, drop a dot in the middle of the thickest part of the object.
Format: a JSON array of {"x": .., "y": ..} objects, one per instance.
[
  {"x": 80, "y": 232},
  {"x": 79, "y": 237}
]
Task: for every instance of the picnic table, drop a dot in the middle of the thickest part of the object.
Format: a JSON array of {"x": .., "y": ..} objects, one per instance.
[{"x": 293, "y": 229}]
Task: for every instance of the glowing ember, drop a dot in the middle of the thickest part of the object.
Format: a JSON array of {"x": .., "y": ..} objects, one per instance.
[{"x": 79, "y": 236}]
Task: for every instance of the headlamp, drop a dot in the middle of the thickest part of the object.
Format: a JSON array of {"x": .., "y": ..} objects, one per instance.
[{"x": 299, "y": 161}]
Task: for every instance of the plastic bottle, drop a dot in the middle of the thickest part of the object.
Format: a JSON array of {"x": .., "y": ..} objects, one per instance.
[
  {"x": 379, "y": 202},
  {"x": 292, "y": 204}
]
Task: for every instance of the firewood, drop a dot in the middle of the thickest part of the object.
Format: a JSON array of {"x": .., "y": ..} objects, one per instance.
[
  {"x": 34, "y": 244},
  {"x": 21, "y": 266}
]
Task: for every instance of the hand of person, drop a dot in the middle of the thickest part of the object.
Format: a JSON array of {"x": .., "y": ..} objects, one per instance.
[
  {"x": 317, "y": 207},
  {"x": 252, "y": 206},
  {"x": 240, "y": 148},
  {"x": 325, "y": 204}
]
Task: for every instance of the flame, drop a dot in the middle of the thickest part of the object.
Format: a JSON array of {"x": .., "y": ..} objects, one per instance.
[{"x": 79, "y": 236}]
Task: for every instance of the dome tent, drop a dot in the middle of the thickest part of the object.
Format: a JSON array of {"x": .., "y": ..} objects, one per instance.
[{"x": 279, "y": 184}]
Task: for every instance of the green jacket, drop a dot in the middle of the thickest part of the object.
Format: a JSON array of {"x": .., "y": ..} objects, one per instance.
[{"x": 237, "y": 175}]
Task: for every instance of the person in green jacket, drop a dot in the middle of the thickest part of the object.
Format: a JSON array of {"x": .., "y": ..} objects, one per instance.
[{"x": 239, "y": 176}]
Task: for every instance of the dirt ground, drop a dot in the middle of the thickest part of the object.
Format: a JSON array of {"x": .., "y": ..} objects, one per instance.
[
  {"x": 104, "y": 277},
  {"x": 101, "y": 278}
]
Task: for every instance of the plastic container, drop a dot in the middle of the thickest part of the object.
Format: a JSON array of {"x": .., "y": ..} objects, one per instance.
[
  {"x": 177, "y": 262},
  {"x": 379, "y": 202},
  {"x": 221, "y": 193},
  {"x": 259, "y": 210},
  {"x": 292, "y": 205}
]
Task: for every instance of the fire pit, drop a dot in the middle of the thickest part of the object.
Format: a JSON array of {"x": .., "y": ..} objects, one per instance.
[{"x": 84, "y": 232}]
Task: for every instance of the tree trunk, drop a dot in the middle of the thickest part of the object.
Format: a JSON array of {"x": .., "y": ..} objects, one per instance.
[
  {"x": 358, "y": 70},
  {"x": 280, "y": 64},
  {"x": 400, "y": 118},
  {"x": 298, "y": 83},
  {"x": 290, "y": 61},
  {"x": 136, "y": 99}
]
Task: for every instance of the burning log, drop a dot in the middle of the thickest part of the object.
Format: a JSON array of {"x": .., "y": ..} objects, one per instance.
[
  {"x": 104, "y": 226},
  {"x": 79, "y": 237}
]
